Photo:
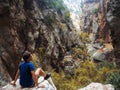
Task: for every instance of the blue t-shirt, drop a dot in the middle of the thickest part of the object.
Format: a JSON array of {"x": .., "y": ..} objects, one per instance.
[{"x": 25, "y": 74}]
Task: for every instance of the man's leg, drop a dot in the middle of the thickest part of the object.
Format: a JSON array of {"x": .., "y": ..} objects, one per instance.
[{"x": 40, "y": 72}]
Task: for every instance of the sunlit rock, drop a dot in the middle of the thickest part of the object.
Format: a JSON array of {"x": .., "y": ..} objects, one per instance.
[
  {"x": 91, "y": 49},
  {"x": 107, "y": 48},
  {"x": 98, "y": 86},
  {"x": 92, "y": 37},
  {"x": 99, "y": 55},
  {"x": 99, "y": 51},
  {"x": 68, "y": 64},
  {"x": 48, "y": 85}
]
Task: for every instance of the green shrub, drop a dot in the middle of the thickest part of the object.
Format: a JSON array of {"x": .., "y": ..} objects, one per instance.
[
  {"x": 41, "y": 54},
  {"x": 57, "y": 4},
  {"x": 114, "y": 79},
  {"x": 67, "y": 15},
  {"x": 95, "y": 10},
  {"x": 88, "y": 72},
  {"x": 49, "y": 19},
  {"x": 34, "y": 59},
  {"x": 80, "y": 53},
  {"x": 84, "y": 37}
]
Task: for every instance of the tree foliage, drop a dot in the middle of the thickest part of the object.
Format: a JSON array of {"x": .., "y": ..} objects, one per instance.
[{"x": 88, "y": 72}]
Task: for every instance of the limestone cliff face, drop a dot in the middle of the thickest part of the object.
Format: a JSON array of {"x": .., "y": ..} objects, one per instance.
[
  {"x": 96, "y": 25},
  {"x": 102, "y": 22},
  {"x": 33, "y": 25},
  {"x": 108, "y": 21},
  {"x": 113, "y": 17},
  {"x": 95, "y": 20},
  {"x": 9, "y": 55}
]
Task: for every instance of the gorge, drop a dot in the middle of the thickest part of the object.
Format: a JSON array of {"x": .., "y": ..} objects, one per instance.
[{"x": 56, "y": 31}]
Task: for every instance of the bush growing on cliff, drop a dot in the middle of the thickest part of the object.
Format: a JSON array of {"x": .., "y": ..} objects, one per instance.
[
  {"x": 81, "y": 51},
  {"x": 84, "y": 37},
  {"x": 67, "y": 15},
  {"x": 95, "y": 11},
  {"x": 48, "y": 19},
  {"x": 57, "y": 4},
  {"x": 114, "y": 79},
  {"x": 34, "y": 57}
]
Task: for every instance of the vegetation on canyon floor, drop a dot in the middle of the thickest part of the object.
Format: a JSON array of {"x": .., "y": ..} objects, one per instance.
[{"x": 87, "y": 72}]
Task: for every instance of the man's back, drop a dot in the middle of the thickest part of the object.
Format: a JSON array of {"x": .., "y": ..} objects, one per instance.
[{"x": 25, "y": 74}]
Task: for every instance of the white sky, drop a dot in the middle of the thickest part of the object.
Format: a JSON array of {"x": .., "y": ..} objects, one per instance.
[{"x": 74, "y": 5}]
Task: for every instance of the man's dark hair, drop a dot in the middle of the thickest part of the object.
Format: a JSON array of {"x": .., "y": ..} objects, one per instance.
[{"x": 26, "y": 55}]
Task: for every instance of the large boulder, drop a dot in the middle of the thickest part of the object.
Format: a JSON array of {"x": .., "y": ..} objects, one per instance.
[
  {"x": 49, "y": 85},
  {"x": 100, "y": 52},
  {"x": 99, "y": 55},
  {"x": 98, "y": 86},
  {"x": 69, "y": 65}
]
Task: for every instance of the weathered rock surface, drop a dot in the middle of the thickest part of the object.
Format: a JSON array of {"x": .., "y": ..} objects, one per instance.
[
  {"x": 48, "y": 85},
  {"x": 40, "y": 26},
  {"x": 100, "y": 52},
  {"x": 98, "y": 86},
  {"x": 113, "y": 17},
  {"x": 33, "y": 25},
  {"x": 96, "y": 25}
]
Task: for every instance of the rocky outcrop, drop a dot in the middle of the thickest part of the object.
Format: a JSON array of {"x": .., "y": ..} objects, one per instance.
[
  {"x": 48, "y": 84},
  {"x": 100, "y": 52},
  {"x": 69, "y": 64},
  {"x": 98, "y": 86},
  {"x": 37, "y": 26},
  {"x": 113, "y": 17},
  {"x": 96, "y": 25},
  {"x": 107, "y": 20},
  {"x": 9, "y": 53}
]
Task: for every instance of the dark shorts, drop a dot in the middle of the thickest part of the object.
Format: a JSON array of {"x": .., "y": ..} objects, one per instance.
[{"x": 29, "y": 86}]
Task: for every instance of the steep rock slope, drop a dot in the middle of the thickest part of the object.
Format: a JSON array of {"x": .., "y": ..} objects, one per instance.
[
  {"x": 113, "y": 17},
  {"x": 34, "y": 25},
  {"x": 95, "y": 24}
]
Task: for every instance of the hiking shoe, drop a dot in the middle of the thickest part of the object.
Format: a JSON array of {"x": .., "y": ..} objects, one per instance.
[{"x": 47, "y": 76}]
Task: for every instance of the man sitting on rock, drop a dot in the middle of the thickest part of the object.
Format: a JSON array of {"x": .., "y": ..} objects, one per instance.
[{"x": 27, "y": 75}]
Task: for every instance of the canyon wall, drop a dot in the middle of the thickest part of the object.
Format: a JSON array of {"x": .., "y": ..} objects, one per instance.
[{"x": 40, "y": 26}]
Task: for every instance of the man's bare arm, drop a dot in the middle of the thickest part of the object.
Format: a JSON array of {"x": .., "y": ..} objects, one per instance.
[
  {"x": 16, "y": 77},
  {"x": 34, "y": 78}
]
